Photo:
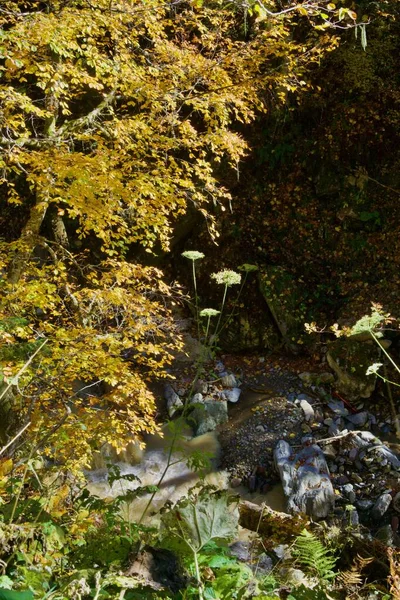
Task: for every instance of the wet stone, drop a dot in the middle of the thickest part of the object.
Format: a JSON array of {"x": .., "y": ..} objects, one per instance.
[{"x": 381, "y": 506}]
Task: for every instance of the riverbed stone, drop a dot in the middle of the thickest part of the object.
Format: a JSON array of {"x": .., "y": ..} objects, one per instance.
[
  {"x": 229, "y": 381},
  {"x": 305, "y": 479},
  {"x": 174, "y": 402},
  {"x": 207, "y": 416},
  {"x": 308, "y": 410},
  {"x": 381, "y": 506},
  {"x": 358, "y": 419},
  {"x": 232, "y": 395}
]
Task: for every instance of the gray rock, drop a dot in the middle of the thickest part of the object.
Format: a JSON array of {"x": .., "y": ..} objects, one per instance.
[
  {"x": 364, "y": 504},
  {"x": 229, "y": 381},
  {"x": 264, "y": 565},
  {"x": 381, "y": 505},
  {"x": 338, "y": 408},
  {"x": 359, "y": 419},
  {"x": 232, "y": 395},
  {"x": 308, "y": 410},
  {"x": 305, "y": 480},
  {"x": 242, "y": 550},
  {"x": 206, "y": 425},
  {"x": 260, "y": 428},
  {"x": 384, "y": 453},
  {"x": 174, "y": 402},
  {"x": 197, "y": 399},
  {"x": 208, "y": 415}
]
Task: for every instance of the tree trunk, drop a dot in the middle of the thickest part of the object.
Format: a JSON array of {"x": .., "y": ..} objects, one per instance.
[{"x": 27, "y": 241}]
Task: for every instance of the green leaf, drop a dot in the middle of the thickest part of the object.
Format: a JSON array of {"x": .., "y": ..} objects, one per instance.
[
  {"x": 12, "y": 595},
  {"x": 198, "y": 519}
]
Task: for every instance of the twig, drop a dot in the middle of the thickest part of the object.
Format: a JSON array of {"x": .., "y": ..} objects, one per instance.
[
  {"x": 14, "y": 438},
  {"x": 22, "y": 369}
]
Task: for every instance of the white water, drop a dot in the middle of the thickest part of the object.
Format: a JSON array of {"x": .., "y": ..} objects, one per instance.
[
  {"x": 149, "y": 465},
  {"x": 153, "y": 461}
]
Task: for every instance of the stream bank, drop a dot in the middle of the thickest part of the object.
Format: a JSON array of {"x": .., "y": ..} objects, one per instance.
[{"x": 278, "y": 402}]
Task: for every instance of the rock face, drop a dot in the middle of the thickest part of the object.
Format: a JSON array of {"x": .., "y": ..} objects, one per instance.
[
  {"x": 305, "y": 480},
  {"x": 350, "y": 358}
]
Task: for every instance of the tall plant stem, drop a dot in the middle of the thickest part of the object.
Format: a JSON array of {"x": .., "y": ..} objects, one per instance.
[
  {"x": 216, "y": 332},
  {"x": 196, "y": 299},
  {"x": 392, "y": 406},
  {"x": 227, "y": 321},
  {"x": 200, "y": 584}
]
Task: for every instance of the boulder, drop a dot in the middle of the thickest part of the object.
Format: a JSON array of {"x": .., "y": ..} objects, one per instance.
[
  {"x": 174, "y": 402},
  {"x": 305, "y": 479},
  {"x": 207, "y": 416}
]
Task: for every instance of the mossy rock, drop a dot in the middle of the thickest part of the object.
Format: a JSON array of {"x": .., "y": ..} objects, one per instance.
[{"x": 350, "y": 358}]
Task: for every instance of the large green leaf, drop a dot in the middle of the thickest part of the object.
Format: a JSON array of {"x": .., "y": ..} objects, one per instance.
[
  {"x": 195, "y": 521},
  {"x": 12, "y": 595}
]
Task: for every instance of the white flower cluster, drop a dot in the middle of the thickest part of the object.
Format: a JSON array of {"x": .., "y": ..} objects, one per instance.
[
  {"x": 227, "y": 277},
  {"x": 193, "y": 255},
  {"x": 209, "y": 312}
]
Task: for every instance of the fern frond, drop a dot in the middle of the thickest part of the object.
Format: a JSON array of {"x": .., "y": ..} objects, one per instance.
[
  {"x": 353, "y": 576},
  {"x": 311, "y": 554},
  {"x": 394, "y": 577}
]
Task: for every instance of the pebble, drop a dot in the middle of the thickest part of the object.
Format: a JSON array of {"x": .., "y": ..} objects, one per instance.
[
  {"x": 338, "y": 408},
  {"x": 308, "y": 410}
]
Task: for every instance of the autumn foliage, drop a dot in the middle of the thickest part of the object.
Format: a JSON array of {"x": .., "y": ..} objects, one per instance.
[{"x": 115, "y": 118}]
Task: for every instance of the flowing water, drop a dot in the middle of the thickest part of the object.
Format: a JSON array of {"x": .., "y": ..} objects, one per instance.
[{"x": 149, "y": 465}]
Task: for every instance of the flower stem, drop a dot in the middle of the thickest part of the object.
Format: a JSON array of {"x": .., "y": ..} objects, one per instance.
[
  {"x": 216, "y": 332},
  {"x": 196, "y": 299}
]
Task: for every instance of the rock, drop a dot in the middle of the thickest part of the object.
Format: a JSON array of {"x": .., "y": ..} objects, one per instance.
[
  {"x": 208, "y": 415},
  {"x": 381, "y": 505},
  {"x": 200, "y": 387},
  {"x": 353, "y": 454},
  {"x": 174, "y": 402},
  {"x": 359, "y": 419},
  {"x": 260, "y": 428},
  {"x": 305, "y": 480},
  {"x": 396, "y": 502},
  {"x": 337, "y": 406},
  {"x": 348, "y": 489},
  {"x": 197, "y": 399},
  {"x": 264, "y": 565},
  {"x": 242, "y": 550},
  {"x": 308, "y": 410},
  {"x": 364, "y": 504},
  {"x": 306, "y": 377},
  {"x": 229, "y": 381},
  {"x": 232, "y": 395},
  {"x": 350, "y": 358},
  {"x": 384, "y": 453},
  {"x": 293, "y": 576}
]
